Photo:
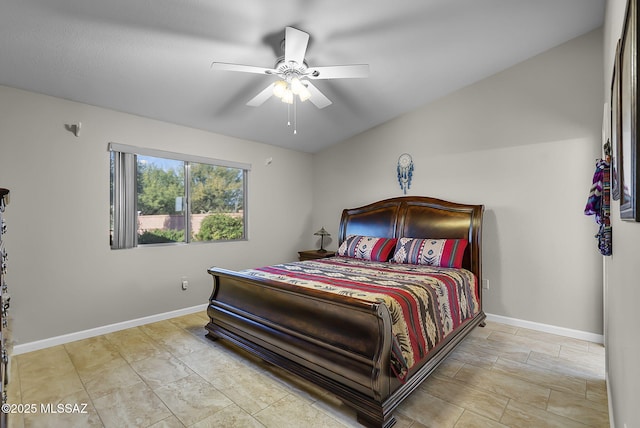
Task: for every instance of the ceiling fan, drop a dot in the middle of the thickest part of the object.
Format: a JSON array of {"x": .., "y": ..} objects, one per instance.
[{"x": 294, "y": 73}]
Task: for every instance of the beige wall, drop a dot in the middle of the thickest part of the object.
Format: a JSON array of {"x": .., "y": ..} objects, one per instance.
[
  {"x": 62, "y": 275},
  {"x": 523, "y": 143},
  {"x": 622, "y": 278}
]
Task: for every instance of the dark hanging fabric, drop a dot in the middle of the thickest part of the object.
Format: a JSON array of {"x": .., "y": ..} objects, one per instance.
[
  {"x": 595, "y": 194},
  {"x": 599, "y": 205}
]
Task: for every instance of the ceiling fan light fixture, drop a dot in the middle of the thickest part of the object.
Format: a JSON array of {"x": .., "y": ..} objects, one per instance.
[
  {"x": 287, "y": 97},
  {"x": 279, "y": 88},
  {"x": 304, "y": 93},
  {"x": 296, "y": 86}
]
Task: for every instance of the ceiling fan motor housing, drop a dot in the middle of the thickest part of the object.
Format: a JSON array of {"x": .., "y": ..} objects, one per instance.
[{"x": 287, "y": 70}]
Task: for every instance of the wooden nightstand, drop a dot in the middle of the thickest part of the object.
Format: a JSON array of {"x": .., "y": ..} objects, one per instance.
[{"x": 315, "y": 254}]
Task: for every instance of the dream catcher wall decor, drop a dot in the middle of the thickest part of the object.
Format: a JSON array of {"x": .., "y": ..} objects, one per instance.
[{"x": 405, "y": 171}]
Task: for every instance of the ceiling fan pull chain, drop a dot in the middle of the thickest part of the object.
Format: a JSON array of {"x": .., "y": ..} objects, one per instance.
[{"x": 295, "y": 118}]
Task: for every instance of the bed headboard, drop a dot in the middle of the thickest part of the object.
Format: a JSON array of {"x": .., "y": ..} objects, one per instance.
[{"x": 419, "y": 217}]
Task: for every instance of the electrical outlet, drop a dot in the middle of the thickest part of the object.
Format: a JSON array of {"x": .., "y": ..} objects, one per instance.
[
  {"x": 485, "y": 284},
  {"x": 185, "y": 283}
]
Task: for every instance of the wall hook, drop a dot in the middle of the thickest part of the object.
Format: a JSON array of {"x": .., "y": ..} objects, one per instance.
[{"x": 75, "y": 128}]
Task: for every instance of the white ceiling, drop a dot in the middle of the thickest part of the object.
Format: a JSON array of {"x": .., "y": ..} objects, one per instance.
[{"x": 152, "y": 57}]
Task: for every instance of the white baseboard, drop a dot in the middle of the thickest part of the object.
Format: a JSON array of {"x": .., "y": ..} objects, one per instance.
[
  {"x": 561, "y": 331},
  {"x": 72, "y": 337}
]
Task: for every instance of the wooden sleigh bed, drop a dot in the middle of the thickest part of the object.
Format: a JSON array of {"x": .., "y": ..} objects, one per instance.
[{"x": 341, "y": 342}]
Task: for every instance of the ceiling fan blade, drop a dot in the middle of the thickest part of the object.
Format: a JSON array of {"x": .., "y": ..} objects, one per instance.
[
  {"x": 339, "y": 72},
  {"x": 317, "y": 98},
  {"x": 263, "y": 96},
  {"x": 295, "y": 45},
  {"x": 223, "y": 66}
]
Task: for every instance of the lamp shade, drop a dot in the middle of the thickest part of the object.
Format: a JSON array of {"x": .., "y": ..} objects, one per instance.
[
  {"x": 279, "y": 88},
  {"x": 322, "y": 232},
  {"x": 287, "y": 97},
  {"x": 304, "y": 93},
  {"x": 296, "y": 86}
]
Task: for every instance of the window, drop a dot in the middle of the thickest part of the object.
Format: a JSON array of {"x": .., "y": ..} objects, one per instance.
[{"x": 162, "y": 197}]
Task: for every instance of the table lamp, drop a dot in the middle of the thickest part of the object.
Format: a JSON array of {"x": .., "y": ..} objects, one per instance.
[{"x": 322, "y": 233}]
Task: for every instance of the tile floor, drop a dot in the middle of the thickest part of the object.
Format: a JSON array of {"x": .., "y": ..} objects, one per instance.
[{"x": 167, "y": 374}]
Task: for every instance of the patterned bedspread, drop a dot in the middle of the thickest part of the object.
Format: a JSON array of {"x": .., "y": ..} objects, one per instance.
[{"x": 426, "y": 303}]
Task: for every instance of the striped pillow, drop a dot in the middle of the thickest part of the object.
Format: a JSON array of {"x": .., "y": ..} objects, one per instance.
[
  {"x": 432, "y": 252},
  {"x": 367, "y": 248}
]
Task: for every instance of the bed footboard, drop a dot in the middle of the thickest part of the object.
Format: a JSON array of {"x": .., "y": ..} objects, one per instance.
[{"x": 341, "y": 345}]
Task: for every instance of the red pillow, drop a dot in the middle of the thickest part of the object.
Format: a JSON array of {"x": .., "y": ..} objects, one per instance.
[
  {"x": 432, "y": 252},
  {"x": 367, "y": 248}
]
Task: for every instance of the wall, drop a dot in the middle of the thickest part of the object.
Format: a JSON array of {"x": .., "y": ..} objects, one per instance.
[
  {"x": 63, "y": 276},
  {"x": 622, "y": 270},
  {"x": 523, "y": 143}
]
